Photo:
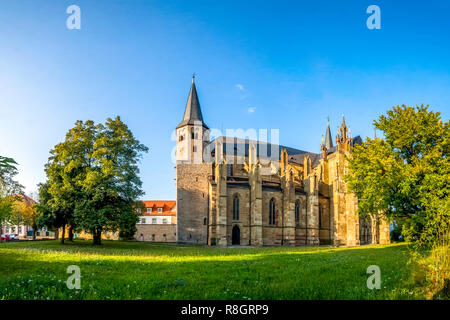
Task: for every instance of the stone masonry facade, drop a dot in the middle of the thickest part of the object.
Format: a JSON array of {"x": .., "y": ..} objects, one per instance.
[{"x": 229, "y": 192}]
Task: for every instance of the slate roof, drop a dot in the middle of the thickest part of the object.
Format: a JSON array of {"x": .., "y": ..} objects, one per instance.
[
  {"x": 233, "y": 145},
  {"x": 328, "y": 139},
  {"x": 192, "y": 113}
]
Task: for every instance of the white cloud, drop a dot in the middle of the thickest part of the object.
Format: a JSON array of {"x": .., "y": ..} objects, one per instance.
[
  {"x": 251, "y": 109},
  {"x": 240, "y": 87}
]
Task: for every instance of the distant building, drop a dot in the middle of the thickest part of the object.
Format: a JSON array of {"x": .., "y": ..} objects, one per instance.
[{"x": 157, "y": 222}]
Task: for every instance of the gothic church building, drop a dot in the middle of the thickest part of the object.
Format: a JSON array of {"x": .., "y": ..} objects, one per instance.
[{"x": 233, "y": 191}]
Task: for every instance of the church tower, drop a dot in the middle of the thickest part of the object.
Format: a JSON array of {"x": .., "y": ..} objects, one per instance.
[
  {"x": 192, "y": 133},
  {"x": 192, "y": 171}
]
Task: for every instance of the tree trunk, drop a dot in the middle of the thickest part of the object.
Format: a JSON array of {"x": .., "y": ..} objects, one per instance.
[
  {"x": 97, "y": 237},
  {"x": 70, "y": 233},
  {"x": 63, "y": 234},
  {"x": 34, "y": 226}
]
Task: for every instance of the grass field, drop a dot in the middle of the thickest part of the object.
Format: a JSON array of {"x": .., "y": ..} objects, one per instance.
[{"x": 132, "y": 270}]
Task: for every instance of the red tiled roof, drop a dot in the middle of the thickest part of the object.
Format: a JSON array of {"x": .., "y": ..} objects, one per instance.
[{"x": 168, "y": 207}]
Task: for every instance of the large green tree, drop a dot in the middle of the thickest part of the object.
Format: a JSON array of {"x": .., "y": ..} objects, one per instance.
[
  {"x": 406, "y": 173},
  {"x": 93, "y": 178}
]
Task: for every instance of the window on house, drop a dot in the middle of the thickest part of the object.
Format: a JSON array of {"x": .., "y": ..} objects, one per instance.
[
  {"x": 194, "y": 148},
  {"x": 181, "y": 138},
  {"x": 159, "y": 210},
  {"x": 236, "y": 207},
  {"x": 272, "y": 212},
  {"x": 153, "y": 237},
  {"x": 149, "y": 210},
  {"x": 138, "y": 210},
  {"x": 164, "y": 221},
  {"x": 192, "y": 133},
  {"x": 204, "y": 221},
  {"x": 143, "y": 220},
  {"x": 154, "y": 220}
]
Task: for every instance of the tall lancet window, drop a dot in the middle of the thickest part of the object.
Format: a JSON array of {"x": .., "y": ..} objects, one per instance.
[
  {"x": 236, "y": 207},
  {"x": 230, "y": 170},
  {"x": 320, "y": 216},
  {"x": 272, "y": 212}
]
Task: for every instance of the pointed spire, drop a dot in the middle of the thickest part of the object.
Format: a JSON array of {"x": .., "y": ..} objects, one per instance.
[
  {"x": 328, "y": 139},
  {"x": 343, "y": 128},
  {"x": 192, "y": 113}
]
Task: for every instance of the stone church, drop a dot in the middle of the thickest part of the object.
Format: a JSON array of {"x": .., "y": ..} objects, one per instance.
[{"x": 233, "y": 191}]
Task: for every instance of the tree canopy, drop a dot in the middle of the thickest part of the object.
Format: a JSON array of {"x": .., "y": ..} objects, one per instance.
[
  {"x": 406, "y": 173},
  {"x": 93, "y": 179}
]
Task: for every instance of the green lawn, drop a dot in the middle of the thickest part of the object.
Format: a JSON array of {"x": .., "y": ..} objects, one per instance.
[{"x": 132, "y": 270}]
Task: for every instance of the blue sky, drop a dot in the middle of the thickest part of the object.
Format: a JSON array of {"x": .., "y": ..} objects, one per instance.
[{"x": 284, "y": 65}]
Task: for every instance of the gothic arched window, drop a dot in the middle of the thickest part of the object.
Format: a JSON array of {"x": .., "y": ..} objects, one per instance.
[
  {"x": 236, "y": 207},
  {"x": 297, "y": 211},
  {"x": 272, "y": 212}
]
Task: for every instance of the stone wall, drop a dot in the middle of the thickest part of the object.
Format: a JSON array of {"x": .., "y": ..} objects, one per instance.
[
  {"x": 156, "y": 232},
  {"x": 192, "y": 202}
]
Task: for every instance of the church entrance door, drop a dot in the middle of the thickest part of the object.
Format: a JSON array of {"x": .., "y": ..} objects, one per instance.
[{"x": 236, "y": 236}]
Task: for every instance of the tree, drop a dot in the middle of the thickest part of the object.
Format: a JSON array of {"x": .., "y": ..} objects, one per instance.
[
  {"x": 8, "y": 171},
  {"x": 48, "y": 213},
  {"x": 8, "y": 186},
  {"x": 6, "y": 208},
  {"x": 406, "y": 174},
  {"x": 93, "y": 179},
  {"x": 111, "y": 184}
]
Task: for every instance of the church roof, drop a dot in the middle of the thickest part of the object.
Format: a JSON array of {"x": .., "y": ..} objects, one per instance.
[
  {"x": 356, "y": 140},
  {"x": 300, "y": 158},
  {"x": 192, "y": 113},
  {"x": 234, "y": 146}
]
